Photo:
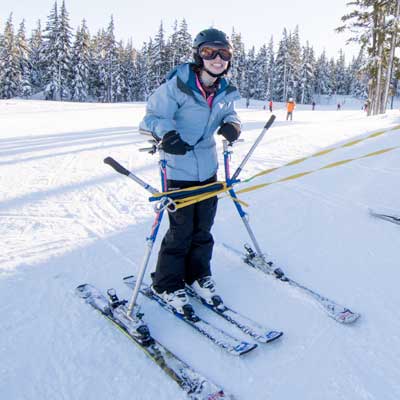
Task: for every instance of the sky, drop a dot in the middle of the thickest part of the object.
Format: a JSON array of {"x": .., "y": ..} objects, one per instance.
[{"x": 256, "y": 20}]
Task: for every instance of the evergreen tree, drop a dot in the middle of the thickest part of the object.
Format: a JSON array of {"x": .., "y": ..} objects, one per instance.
[
  {"x": 341, "y": 75},
  {"x": 294, "y": 49},
  {"x": 358, "y": 77},
  {"x": 51, "y": 56},
  {"x": 10, "y": 74},
  {"x": 270, "y": 89},
  {"x": 22, "y": 49},
  {"x": 238, "y": 64},
  {"x": 251, "y": 75},
  {"x": 307, "y": 75},
  {"x": 36, "y": 58},
  {"x": 109, "y": 64},
  {"x": 322, "y": 76},
  {"x": 261, "y": 71},
  {"x": 80, "y": 64},
  {"x": 282, "y": 69},
  {"x": 64, "y": 53}
]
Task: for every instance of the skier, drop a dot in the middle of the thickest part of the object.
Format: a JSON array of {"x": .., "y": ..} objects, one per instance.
[
  {"x": 313, "y": 105},
  {"x": 339, "y": 106},
  {"x": 270, "y": 104},
  {"x": 290, "y": 106},
  {"x": 184, "y": 112}
]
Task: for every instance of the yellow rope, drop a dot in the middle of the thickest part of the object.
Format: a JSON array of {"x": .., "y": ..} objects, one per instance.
[
  {"x": 323, "y": 152},
  {"x": 180, "y": 203}
]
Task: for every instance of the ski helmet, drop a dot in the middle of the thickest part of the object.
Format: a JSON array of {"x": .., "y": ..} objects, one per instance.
[{"x": 211, "y": 36}]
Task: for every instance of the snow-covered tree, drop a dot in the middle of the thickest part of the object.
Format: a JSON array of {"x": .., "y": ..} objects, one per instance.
[
  {"x": 22, "y": 48},
  {"x": 10, "y": 75},
  {"x": 80, "y": 63},
  {"x": 36, "y": 58}
]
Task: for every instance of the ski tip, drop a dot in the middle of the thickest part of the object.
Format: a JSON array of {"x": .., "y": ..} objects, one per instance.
[
  {"x": 83, "y": 290},
  {"x": 347, "y": 317},
  {"x": 244, "y": 348},
  {"x": 271, "y": 336}
]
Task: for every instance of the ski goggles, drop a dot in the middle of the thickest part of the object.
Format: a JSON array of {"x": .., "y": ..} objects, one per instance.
[{"x": 209, "y": 52}]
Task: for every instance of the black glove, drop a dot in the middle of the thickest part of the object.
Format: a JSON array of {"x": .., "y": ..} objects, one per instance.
[
  {"x": 173, "y": 144},
  {"x": 230, "y": 131}
]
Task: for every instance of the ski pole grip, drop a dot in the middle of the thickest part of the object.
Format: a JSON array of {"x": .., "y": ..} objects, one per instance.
[
  {"x": 116, "y": 165},
  {"x": 270, "y": 121}
]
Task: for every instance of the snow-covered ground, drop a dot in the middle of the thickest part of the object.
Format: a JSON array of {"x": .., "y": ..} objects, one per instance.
[{"x": 66, "y": 219}]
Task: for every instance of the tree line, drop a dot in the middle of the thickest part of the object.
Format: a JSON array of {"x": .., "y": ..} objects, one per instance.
[{"x": 62, "y": 65}]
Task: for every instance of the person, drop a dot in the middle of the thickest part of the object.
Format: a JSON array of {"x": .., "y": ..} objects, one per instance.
[
  {"x": 270, "y": 104},
  {"x": 184, "y": 112},
  {"x": 290, "y": 106},
  {"x": 313, "y": 105},
  {"x": 339, "y": 106}
]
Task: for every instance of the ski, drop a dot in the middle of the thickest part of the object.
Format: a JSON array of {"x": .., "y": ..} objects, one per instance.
[
  {"x": 245, "y": 324},
  {"x": 387, "y": 217},
  {"x": 195, "y": 385},
  {"x": 217, "y": 336},
  {"x": 334, "y": 310}
]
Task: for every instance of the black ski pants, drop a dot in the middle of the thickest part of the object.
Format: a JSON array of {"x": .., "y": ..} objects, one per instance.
[{"x": 186, "y": 248}]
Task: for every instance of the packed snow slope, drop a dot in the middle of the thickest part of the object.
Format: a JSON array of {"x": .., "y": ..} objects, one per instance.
[{"x": 66, "y": 219}]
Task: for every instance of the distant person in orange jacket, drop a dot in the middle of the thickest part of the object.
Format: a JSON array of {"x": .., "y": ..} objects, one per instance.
[
  {"x": 290, "y": 106},
  {"x": 270, "y": 104}
]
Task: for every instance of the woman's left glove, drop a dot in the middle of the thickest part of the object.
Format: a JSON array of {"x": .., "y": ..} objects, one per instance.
[{"x": 230, "y": 131}]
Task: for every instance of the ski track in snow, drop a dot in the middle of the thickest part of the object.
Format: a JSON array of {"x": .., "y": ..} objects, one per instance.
[{"x": 66, "y": 219}]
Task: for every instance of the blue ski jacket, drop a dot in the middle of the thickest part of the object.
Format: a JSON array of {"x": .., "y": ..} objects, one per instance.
[{"x": 178, "y": 105}]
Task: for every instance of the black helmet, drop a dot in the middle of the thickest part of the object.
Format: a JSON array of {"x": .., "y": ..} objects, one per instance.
[{"x": 210, "y": 35}]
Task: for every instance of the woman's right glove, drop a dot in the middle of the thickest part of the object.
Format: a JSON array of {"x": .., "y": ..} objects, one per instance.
[{"x": 173, "y": 144}]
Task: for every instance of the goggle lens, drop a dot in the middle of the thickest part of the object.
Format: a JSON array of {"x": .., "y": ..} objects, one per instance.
[{"x": 209, "y": 53}]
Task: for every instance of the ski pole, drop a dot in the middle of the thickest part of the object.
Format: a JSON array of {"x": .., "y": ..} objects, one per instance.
[
  {"x": 232, "y": 193},
  {"x": 255, "y": 144},
  {"x": 122, "y": 170},
  {"x": 150, "y": 243}
]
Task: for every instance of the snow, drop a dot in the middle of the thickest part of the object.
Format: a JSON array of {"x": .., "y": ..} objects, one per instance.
[{"x": 66, "y": 219}]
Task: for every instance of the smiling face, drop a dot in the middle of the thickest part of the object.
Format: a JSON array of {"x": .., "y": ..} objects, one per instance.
[{"x": 216, "y": 66}]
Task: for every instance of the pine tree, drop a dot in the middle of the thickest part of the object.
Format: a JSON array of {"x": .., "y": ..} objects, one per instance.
[
  {"x": 110, "y": 63},
  {"x": 270, "y": 89},
  {"x": 282, "y": 68},
  {"x": 374, "y": 25},
  {"x": 307, "y": 75},
  {"x": 51, "y": 56},
  {"x": 10, "y": 74},
  {"x": 36, "y": 58},
  {"x": 23, "y": 54},
  {"x": 322, "y": 76},
  {"x": 64, "y": 53},
  {"x": 261, "y": 71},
  {"x": 294, "y": 50},
  {"x": 238, "y": 64},
  {"x": 80, "y": 64}
]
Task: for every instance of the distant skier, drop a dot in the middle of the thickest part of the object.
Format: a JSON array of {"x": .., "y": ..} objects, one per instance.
[
  {"x": 313, "y": 105},
  {"x": 177, "y": 114},
  {"x": 339, "y": 106},
  {"x": 270, "y": 105},
  {"x": 290, "y": 106}
]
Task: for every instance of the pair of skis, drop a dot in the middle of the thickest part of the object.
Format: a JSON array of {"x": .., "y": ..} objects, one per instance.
[{"x": 195, "y": 385}]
